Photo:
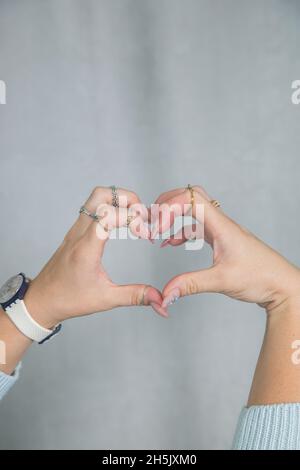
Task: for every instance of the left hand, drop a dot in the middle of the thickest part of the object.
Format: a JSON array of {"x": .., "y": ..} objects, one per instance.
[{"x": 74, "y": 281}]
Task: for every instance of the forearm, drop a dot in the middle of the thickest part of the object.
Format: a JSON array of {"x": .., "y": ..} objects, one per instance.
[
  {"x": 277, "y": 374},
  {"x": 14, "y": 342}
]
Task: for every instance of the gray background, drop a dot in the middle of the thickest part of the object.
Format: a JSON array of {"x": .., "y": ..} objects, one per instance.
[{"x": 147, "y": 95}]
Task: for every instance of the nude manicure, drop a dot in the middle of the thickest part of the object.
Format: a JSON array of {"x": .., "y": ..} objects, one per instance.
[
  {"x": 159, "y": 309},
  {"x": 171, "y": 298},
  {"x": 165, "y": 243}
]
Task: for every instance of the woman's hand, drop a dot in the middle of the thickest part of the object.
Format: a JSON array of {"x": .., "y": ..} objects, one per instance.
[
  {"x": 74, "y": 282},
  {"x": 243, "y": 266}
]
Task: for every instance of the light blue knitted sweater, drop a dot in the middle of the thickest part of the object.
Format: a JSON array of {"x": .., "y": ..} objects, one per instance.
[{"x": 259, "y": 427}]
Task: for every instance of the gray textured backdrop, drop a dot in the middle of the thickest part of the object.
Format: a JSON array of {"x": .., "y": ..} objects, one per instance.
[{"x": 148, "y": 95}]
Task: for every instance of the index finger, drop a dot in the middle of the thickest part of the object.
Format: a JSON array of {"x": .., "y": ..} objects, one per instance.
[{"x": 179, "y": 202}]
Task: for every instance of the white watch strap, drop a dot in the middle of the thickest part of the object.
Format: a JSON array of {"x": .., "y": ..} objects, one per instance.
[{"x": 20, "y": 316}]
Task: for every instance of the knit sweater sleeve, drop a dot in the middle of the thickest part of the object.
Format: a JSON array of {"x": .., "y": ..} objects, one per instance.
[
  {"x": 268, "y": 427},
  {"x": 7, "y": 381}
]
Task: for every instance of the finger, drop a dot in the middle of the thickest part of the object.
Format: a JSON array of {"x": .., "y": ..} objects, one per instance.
[
  {"x": 133, "y": 217},
  {"x": 138, "y": 227},
  {"x": 154, "y": 210},
  {"x": 139, "y": 295},
  {"x": 206, "y": 280},
  {"x": 186, "y": 233},
  {"x": 110, "y": 218},
  {"x": 203, "y": 211},
  {"x": 159, "y": 210},
  {"x": 164, "y": 218},
  {"x": 103, "y": 195},
  {"x": 175, "y": 192},
  {"x": 169, "y": 194}
]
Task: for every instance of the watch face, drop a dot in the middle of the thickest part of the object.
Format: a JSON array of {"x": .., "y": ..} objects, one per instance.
[{"x": 10, "y": 288}]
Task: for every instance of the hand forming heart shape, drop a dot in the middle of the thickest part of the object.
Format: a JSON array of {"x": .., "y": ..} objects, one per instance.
[{"x": 74, "y": 283}]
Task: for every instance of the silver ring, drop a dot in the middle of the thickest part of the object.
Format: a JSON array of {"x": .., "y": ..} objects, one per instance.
[
  {"x": 114, "y": 196},
  {"x": 93, "y": 215}
]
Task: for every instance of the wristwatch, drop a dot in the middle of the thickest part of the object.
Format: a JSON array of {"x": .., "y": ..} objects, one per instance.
[{"x": 12, "y": 294}]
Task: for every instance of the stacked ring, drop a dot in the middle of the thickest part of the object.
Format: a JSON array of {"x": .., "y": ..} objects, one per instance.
[
  {"x": 94, "y": 216},
  {"x": 114, "y": 196}
]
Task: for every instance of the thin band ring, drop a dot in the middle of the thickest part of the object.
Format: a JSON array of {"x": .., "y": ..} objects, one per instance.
[
  {"x": 191, "y": 190},
  {"x": 130, "y": 218},
  {"x": 93, "y": 215},
  {"x": 114, "y": 196},
  {"x": 215, "y": 203},
  {"x": 97, "y": 218}
]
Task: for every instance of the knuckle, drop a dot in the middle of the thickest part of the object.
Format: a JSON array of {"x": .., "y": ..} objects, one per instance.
[
  {"x": 96, "y": 193},
  {"x": 68, "y": 237},
  {"x": 163, "y": 195},
  {"x": 191, "y": 286},
  {"x": 136, "y": 297},
  {"x": 201, "y": 192},
  {"x": 133, "y": 196},
  {"x": 244, "y": 230},
  {"x": 199, "y": 188},
  {"x": 96, "y": 190}
]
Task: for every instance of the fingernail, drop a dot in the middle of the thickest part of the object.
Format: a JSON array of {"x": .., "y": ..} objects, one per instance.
[
  {"x": 171, "y": 298},
  {"x": 165, "y": 242},
  {"x": 149, "y": 235},
  {"x": 146, "y": 232},
  {"x": 159, "y": 309},
  {"x": 155, "y": 230}
]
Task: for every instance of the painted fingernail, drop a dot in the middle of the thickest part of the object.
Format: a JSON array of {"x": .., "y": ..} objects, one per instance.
[
  {"x": 159, "y": 309},
  {"x": 155, "y": 230},
  {"x": 165, "y": 242},
  {"x": 145, "y": 232},
  {"x": 171, "y": 298},
  {"x": 149, "y": 235}
]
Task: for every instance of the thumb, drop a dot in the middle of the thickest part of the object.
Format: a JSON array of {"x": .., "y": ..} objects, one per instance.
[
  {"x": 139, "y": 295},
  {"x": 196, "y": 282}
]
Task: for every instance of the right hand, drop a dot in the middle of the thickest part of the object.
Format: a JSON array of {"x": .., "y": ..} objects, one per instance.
[{"x": 243, "y": 267}]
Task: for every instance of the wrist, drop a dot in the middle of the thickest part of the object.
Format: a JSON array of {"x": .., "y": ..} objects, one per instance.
[
  {"x": 285, "y": 296},
  {"x": 288, "y": 305},
  {"x": 39, "y": 306},
  {"x": 286, "y": 301}
]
